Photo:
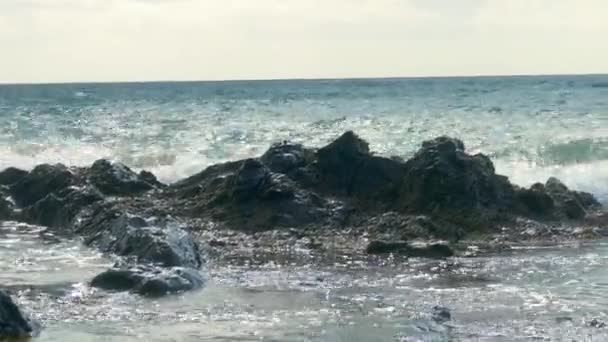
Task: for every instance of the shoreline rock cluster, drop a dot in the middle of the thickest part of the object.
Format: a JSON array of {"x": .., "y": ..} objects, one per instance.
[{"x": 441, "y": 193}]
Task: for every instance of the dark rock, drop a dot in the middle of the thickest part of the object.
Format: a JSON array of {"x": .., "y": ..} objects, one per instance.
[
  {"x": 338, "y": 161},
  {"x": 596, "y": 323},
  {"x": 42, "y": 180},
  {"x": 113, "y": 178},
  {"x": 587, "y": 200},
  {"x": 286, "y": 157},
  {"x": 346, "y": 167},
  {"x": 535, "y": 201},
  {"x": 250, "y": 179},
  {"x": 57, "y": 210},
  {"x": 6, "y": 206},
  {"x": 149, "y": 281},
  {"x": 441, "y": 314},
  {"x": 11, "y": 176},
  {"x": 415, "y": 250},
  {"x": 441, "y": 176},
  {"x": 566, "y": 201},
  {"x": 13, "y": 324},
  {"x": 150, "y": 178},
  {"x": 163, "y": 242}
]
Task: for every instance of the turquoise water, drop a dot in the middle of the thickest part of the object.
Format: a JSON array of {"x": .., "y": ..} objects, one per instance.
[{"x": 533, "y": 127}]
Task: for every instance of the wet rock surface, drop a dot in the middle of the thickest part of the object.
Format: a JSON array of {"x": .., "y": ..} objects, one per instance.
[
  {"x": 13, "y": 324},
  {"x": 149, "y": 281},
  {"x": 415, "y": 250}
]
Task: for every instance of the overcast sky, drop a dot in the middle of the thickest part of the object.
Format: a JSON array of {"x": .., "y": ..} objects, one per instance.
[{"x": 136, "y": 40}]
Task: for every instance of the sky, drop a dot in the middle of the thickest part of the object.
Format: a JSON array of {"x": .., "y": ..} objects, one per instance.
[{"x": 144, "y": 40}]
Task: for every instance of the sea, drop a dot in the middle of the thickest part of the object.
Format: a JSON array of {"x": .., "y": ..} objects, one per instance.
[{"x": 532, "y": 127}]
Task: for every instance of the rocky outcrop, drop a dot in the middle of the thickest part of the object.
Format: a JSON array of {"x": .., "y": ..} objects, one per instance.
[
  {"x": 113, "y": 178},
  {"x": 247, "y": 195},
  {"x": 441, "y": 193},
  {"x": 13, "y": 324},
  {"x": 43, "y": 180},
  {"x": 347, "y": 168},
  {"x": 553, "y": 200},
  {"x": 443, "y": 177}
]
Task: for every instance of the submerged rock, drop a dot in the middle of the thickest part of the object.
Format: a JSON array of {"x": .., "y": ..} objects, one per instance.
[
  {"x": 149, "y": 281},
  {"x": 415, "y": 250},
  {"x": 441, "y": 314},
  {"x": 13, "y": 324}
]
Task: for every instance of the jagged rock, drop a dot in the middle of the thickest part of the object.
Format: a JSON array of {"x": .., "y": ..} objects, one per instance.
[
  {"x": 161, "y": 242},
  {"x": 13, "y": 324},
  {"x": 347, "y": 167},
  {"x": 11, "y": 176},
  {"x": 250, "y": 179},
  {"x": 442, "y": 177},
  {"x": 286, "y": 157},
  {"x": 42, "y": 180},
  {"x": 57, "y": 210},
  {"x": 535, "y": 201},
  {"x": 113, "y": 178},
  {"x": 415, "y": 250},
  {"x": 566, "y": 201},
  {"x": 149, "y": 281}
]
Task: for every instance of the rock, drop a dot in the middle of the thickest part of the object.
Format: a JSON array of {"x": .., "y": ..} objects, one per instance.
[
  {"x": 535, "y": 201},
  {"x": 11, "y": 176},
  {"x": 286, "y": 157},
  {"x": 415, "y": 250},
  {"x": 42, "y": 180},
  {"x": 566, "y": 201},
  {"x": 338, "y": 161},
  {"x": 441, "y": 314},
  {"x": 441, "y": 176},
  {"x": 6, "y": 206},
  {"x": 149, "y": 281},
  {"x": 163, "y": 242},
  {"x": 113, "y": 178},
  {"x": 57, "y": 210},
  {"x": 596, "y": 323},
  {"x": 346, "y": 167},
  {"x": 250, "y": 179},
  {"x": 587, "y": 200},
  {"x": 13, "y": 324}
]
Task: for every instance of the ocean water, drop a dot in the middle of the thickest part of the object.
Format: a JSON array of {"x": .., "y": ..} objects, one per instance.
[{"x": 532, "y": 127}]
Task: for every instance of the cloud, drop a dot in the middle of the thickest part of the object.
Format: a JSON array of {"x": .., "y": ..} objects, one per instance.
[{"x": 70, "y": 40}]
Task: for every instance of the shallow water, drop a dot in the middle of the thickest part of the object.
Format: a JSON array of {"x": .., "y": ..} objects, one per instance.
[{"x": 537, "y": 293}]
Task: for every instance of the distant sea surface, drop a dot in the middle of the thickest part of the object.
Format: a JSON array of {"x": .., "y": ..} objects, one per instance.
[{"x": 532, "y": 127}]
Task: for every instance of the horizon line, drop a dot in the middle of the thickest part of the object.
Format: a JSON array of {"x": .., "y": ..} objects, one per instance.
[{"x": 229, "y": 80}]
